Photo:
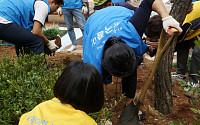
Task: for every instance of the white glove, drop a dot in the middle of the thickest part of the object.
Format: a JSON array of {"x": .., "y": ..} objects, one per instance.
[
  {"x": 170, "y": 22},
  {"x": 52, "y": 46},
  {"x": 60, "y": 11},
  {"x": 84, "y": 10}
]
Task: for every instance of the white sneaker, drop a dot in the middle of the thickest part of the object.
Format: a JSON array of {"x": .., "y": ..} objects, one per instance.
[
  {"x": 178, "y": 77},
  {"x": 191, "y": 85},
  {"x": 72, "y": 48}
]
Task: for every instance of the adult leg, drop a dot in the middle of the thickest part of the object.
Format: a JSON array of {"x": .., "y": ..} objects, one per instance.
[
  {"x": 21, "y": 38},
  {"x": 195, "y": 65},
  {"x": 182, "y": 57},
  {"x": 129, "y": 85},
  {"x": 68, "y": 17},
  {"x": 80, "y": 18}
]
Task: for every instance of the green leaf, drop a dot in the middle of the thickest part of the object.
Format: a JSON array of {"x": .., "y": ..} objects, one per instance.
[
  {"x": 193, "y": 102},
  {"x": 195, "y": 118},
  {"x": 189, "y": 101},
  {"x": 182, "y": 122},
  {"x": 195, "y": 110},
  {"x": 175, "y": 123}
]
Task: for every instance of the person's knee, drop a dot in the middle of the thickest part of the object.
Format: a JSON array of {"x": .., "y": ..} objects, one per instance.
[{"x": 36, "y": 45}]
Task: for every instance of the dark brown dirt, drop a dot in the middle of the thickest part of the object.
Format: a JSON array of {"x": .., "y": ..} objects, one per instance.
[{"x": 180, "y": 110}]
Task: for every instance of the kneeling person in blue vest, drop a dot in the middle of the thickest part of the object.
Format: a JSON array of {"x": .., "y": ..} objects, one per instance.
[
  {"x": 112, "y": 41},
  {"x": 21, "y": 23}
]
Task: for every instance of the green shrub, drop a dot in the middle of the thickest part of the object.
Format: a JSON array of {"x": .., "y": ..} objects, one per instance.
[
  {"x": 51, "y": 34},
  {"x": 24, "y": 83}
]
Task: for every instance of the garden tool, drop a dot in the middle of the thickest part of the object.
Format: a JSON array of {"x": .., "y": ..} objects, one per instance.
[{"x": 129, "y": 115}]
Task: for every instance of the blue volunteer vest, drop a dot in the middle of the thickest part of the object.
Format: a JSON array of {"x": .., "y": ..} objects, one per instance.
[
  {"x": 105, "y": 23},
  {"x": 72, "y": 4},
  {"x": 19, "y": 11},
  {"x": 115, "y": 1}
]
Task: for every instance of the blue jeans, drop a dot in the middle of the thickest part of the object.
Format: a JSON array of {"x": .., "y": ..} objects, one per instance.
[{"x": 80, "y": 20}]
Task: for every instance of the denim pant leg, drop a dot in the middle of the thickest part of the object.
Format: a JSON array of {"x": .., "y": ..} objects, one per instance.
[
  {"x": 80, "y": 18},
  {"x": 21, "y": 38},
  {"x": 68, "y": 17},
  {"x": 195, "y": 65},
  {"x": 182, "y": 57}
]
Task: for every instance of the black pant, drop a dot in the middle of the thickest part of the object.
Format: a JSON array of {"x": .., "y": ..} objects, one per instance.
[
  {"x": 129, "y": 83},
  {"x": 21, "y": 37}
]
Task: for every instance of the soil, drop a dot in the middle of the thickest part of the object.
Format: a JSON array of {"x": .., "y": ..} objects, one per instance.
[{"x": 180, "y": 109}]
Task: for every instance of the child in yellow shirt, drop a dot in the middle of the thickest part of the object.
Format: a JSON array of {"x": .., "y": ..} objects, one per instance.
[{"x": 78, "y": 91}]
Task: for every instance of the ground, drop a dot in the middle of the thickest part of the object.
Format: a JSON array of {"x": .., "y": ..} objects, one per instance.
[{"x": 180, "y": 110}]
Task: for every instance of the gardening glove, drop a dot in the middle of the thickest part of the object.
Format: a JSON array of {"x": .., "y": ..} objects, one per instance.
[
  {"x": 170, "y": 22},
  {"x": 52, "y": 46},
  {"x": 60, "y": 11},
  {"x": 84, "y": 9}
]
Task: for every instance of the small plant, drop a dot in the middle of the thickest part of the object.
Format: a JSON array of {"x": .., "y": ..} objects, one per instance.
[
  {"x": 104, "y": 115},
  {"x": 194, "y": 91},
  {"x": 1, "y": 42},
  {"x": 51, "y": 34}
]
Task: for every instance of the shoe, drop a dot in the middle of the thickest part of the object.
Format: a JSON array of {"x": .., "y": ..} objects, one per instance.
[
  {"x": 191, "y": 85},
  {"x": 142, "y": 116},
  {"x": 178, "y": 77},
  {"x": 174, "y": 95},
  {"x": 72, "y": 48}
]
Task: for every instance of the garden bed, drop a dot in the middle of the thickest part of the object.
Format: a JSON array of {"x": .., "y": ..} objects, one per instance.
[{"x": 180, "y": 109}]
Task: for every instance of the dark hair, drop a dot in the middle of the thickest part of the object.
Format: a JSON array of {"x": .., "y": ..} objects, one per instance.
[
  {"x": 59, "y": 2},
  {"x": 81, "y": 86},
  {"x": 118, "y": 58},
  {"x": 154, "y": 26},
  {"x": 107, "y": 1},
  {"x": 105, "y": 4}
]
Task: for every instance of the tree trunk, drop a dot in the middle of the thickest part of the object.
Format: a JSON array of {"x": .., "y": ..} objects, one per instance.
[{"x": 162, "y": 78}]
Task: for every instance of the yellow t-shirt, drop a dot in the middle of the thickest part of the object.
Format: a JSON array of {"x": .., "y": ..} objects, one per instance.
[
  {"x": 194, "y": 14},
  {"x": 53, "y": 112}
]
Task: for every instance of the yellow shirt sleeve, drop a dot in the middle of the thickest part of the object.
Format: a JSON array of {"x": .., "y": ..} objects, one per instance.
[{"x": 194, "y": 14}]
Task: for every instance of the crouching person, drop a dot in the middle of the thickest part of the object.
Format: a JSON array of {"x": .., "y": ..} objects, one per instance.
[{"x": 78, "y": 91}]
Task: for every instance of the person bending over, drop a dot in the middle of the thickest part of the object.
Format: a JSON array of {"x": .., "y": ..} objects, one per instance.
[
  {"x": 21, "y": 23},
  {"x": 112, "y": 41}
]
